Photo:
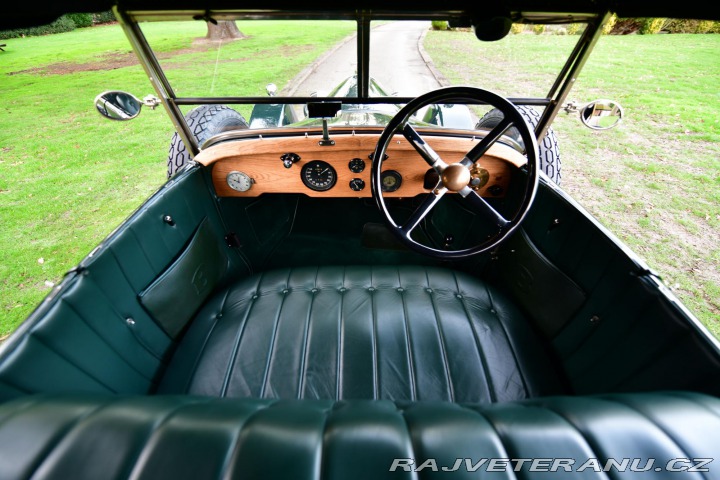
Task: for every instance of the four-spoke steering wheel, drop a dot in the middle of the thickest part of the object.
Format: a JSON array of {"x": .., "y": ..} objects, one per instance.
[{"x": 457, "y": 177}]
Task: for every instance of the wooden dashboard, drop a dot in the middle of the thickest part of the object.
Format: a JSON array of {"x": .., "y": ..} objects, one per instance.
[{"x": 259, "y": 158}]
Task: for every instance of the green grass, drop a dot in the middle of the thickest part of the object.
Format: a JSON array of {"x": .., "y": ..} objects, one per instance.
[
  {"x": 68, "y": 176},
  {"x": 655, "y": 179}
]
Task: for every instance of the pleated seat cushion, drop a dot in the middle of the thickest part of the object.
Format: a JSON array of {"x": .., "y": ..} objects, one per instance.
[{"x": 361, "y": 332}]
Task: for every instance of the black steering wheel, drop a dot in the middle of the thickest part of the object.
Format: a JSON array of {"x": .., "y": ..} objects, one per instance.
[{"x": 457, "y": 177}]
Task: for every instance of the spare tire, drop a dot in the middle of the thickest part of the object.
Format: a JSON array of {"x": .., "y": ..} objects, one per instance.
[
  {"x": 548, "y": 150},
  {"x": 204, "y": 122}
]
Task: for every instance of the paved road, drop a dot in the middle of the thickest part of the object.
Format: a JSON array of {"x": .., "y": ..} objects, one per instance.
[{"x": 400, "y": 69}]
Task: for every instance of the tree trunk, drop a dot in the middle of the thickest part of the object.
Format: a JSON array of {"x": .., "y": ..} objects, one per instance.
[{"x": 223, "y": 31}]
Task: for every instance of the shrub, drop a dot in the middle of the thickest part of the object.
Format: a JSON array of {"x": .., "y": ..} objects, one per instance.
[
  {"x": 650, "y": 26},
  {"x": 678, "y": 25},
  {"x": 81, "y": 20},
  {"x": 609, "y": 25},
  {"x": 103, "y": 17},
  {"x": 62, "y": 24},
  {"x": 517, "y": 28},
  {"x": 574, "y": 28},
  {"x": 439, "y": 25},
  {"x": 538, "y": 29}
]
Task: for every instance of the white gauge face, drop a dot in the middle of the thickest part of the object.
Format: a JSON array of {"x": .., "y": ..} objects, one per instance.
[{"x": 239, "y": 181}]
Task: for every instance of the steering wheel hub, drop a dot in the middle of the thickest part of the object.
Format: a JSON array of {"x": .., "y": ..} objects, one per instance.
[{"x": 455, "y": 177}]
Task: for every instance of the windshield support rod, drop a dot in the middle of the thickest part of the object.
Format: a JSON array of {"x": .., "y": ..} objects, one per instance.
[
  {"x": 569, "y": 74},
  {"x": 363, "y": 56},
  {"x": 157, "y": 78}
]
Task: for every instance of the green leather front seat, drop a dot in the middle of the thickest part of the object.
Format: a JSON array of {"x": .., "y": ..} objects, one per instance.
[{"x": 361, "y": 332}]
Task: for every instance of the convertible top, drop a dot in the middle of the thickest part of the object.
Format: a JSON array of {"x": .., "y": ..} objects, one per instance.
[{"x": 28, "y": 14}]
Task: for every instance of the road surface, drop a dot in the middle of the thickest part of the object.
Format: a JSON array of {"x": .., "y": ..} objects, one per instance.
[{"x": 401, "y": 69}]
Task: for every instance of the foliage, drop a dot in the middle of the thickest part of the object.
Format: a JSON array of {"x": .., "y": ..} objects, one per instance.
[
  {"x": 517, "y": 28},
  {"x": 677, "y": 25},
  {"x": 574, "y": 28},
  {"x": 649, "y": 26},
  {"x": 62, "y": 24},
  {"x": 439, "y": 25},
  {"x": 103, "y": 17},
  {"x": 538, "y": 29},
  {"x": 81, "y": 20},
  {"x": 610, "y": 25}
]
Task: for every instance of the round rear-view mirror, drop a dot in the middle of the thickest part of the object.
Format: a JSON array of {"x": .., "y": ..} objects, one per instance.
[
  {"x": 601, "y": 114},
  {"x": 117, "y": 105}
]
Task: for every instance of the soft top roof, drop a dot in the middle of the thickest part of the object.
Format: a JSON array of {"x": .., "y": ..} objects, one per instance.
[{"x": 24, "y": 14}]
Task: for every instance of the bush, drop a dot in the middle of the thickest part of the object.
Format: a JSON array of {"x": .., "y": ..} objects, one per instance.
[
  {"x": 609, "y": 25},
  {"x": 517, "y": 28},
  {"x": 691, "y": 26},
  {"x": 62, "y": 24},
  {"x": 574, "y": 28},
  {"x": 81, "y": 20},
  {"x": 439, "y": 25},
  {"x": 651, "y": 26},
  {"x": 103, "y": 17},
  {"x": 538, "y": 29}
]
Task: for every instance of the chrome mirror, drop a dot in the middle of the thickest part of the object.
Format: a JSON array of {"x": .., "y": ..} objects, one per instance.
[
  {"x": 601, "y": 114},
  {"x": 118, "y": 105},
  {"x": 598, "y": 115}
]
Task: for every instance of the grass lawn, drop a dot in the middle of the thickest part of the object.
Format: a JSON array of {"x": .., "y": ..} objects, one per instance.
[{"x": 67, "y": 176}]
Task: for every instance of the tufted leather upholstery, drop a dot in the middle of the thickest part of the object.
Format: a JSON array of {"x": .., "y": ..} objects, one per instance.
[
  {"x": 398, "y": 333},
  {"x": 174, "y": 437}
]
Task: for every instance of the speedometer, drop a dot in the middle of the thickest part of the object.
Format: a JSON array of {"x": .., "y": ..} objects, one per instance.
[{"x": 318, "y": 175}]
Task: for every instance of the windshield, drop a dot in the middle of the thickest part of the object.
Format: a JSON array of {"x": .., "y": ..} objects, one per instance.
[{"x": 246, "y": 62}]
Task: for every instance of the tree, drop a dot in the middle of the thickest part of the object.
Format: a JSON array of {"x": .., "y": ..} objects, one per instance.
[{"x": 223, "y": 30}]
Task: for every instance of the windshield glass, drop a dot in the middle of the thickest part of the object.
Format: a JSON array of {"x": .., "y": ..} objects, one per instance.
[{"x": 319, "y": 58}]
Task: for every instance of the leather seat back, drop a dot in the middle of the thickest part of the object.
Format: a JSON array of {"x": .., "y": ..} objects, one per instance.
[{"x": 169, "y": 437}]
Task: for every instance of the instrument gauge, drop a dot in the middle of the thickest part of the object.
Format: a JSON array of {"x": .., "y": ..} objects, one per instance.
[
  {"x": 318, "y": 175},
  {"x": 356, "y": 165},
  {"x": 239, "y": 181},
  {"x": 390, "y": 180}
]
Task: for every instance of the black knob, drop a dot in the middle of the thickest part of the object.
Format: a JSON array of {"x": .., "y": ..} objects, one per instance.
[
  {"x": 289, "y": 158},
  {"x": 357, "y": 184}
]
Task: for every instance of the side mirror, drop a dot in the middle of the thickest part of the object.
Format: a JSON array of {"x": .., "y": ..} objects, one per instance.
[
  {"x": 601, "y": 114},
  {"x": 598, "y": 115},
  {"x": 117, "y": 105}
]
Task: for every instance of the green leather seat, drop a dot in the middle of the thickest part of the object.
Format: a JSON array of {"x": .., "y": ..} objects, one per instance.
[
  {"x": 397, "y": 333},
  {"x": 175, "y": 437}
]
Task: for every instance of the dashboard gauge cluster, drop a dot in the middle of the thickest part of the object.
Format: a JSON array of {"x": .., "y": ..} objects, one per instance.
[{"x": 318, "y": 175}]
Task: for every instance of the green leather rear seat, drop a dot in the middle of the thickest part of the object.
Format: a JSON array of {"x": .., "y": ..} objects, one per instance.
[
  {"x": 181, "y": 437},
  {"x": 397, "y": 333}
]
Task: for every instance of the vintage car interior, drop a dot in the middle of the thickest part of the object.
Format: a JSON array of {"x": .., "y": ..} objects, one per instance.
[{"x": 355, "y": 300}]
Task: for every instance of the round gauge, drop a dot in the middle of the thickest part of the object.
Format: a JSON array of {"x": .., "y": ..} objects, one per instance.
[
  {"x": 390, "y": 180},
  {"x": 239, "y": 181},
  {"x": 318, "y": 175},
  {"x": 356, "y": 165},
  {"x": 357, "y": 184}
]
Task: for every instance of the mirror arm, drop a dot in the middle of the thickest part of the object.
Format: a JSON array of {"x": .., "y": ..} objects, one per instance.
[{"x": 151, "y": 101}]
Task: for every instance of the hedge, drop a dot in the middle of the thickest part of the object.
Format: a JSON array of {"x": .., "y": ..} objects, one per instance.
[{"x": 66, "y": 23}]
